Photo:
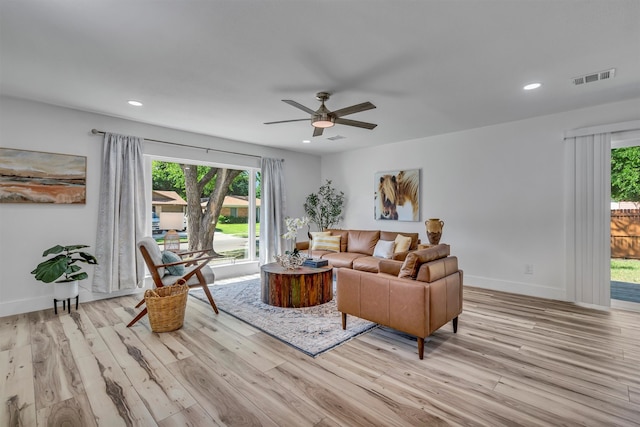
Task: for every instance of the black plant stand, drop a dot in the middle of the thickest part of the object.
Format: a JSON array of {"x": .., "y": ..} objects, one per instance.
[{"x": 65, "y": 304}]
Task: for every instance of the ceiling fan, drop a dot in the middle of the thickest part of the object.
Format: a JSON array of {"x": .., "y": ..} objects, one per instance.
[{"x": 323, "y": 118}]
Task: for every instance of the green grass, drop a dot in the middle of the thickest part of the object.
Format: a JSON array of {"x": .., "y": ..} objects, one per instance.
[
  {"x": 625, "y": 270},
  {"x": 240, "y": 230}
]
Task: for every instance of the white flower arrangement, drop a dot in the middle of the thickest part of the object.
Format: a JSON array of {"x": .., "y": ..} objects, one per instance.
[
  {"x": 293, "y": 225},
  {"x": 292, "y": 259}
]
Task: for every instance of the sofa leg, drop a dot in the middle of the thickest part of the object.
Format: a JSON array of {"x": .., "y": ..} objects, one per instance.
[
  {"x": 344, "y": 320},
  {"x": 455, "y": 324},
  {"x": 420, "y": 348}
]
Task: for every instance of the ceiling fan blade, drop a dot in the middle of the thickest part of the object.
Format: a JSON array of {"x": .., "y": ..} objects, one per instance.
[
  {"x": 353, "y": 109},
  {"x": 300, "y": 106},
  {"x": 287, "y": 121},
  {"x": 317, "y": 131},
  {"x": 356, "y": 123}
]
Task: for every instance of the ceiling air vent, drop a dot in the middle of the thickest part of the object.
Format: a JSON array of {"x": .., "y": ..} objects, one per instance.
[
  {"x": 594, "y": 77},
  {"x": 335, "y": 138}
]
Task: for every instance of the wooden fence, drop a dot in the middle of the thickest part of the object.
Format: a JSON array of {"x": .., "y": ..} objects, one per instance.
[{"x": 625, "y": 233}]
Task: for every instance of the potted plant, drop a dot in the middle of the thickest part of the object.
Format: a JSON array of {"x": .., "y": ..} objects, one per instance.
[
  {"x": 324, "y": 208},
  {"x": 62, "y": 269}
]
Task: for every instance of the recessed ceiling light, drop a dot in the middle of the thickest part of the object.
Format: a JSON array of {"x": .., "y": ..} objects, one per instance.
[
  {"x": 532, "y": 86},
  {"x": 135, "y": 103},
  {"x": 306, "y": 141}
]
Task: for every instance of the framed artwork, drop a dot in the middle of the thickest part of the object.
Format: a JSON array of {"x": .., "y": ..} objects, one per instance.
[
  {"x": 38, "y": 177},
  {"x": 397, "y": 195}
]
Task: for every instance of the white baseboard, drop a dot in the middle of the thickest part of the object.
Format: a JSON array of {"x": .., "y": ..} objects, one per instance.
[
  {"x": 529, "y": 289},
  {"x": 625, "y": 305},
  {"x": 45, "y": 302}
]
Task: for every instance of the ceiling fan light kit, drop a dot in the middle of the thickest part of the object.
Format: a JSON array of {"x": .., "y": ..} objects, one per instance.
[
  {"x": 322, "y": 122},
  {"x": 323, "y": 118}
]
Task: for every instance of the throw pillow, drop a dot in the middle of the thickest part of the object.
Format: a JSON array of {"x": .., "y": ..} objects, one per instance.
[
  {"x": 415, "y": 259},
  {"x": 327, "y": 243},
  {"x": 174, "y": 270},
  {"x": 384, "y": 249},
  {"x": 315, "y": 235},
  {"x": 409, "y": 267},
  {"x": 403, "y": 243}
]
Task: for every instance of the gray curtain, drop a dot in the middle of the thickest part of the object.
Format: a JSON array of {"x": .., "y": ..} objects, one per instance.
[
  {"x": 271, "y": 210},
  {"x": 122, "y": 215}
]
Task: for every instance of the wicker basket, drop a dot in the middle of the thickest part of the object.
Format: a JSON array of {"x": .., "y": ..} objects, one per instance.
[{"x": 165, "y": 306}]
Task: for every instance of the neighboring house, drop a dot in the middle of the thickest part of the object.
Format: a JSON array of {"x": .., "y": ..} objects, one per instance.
[
  {"x": 238, "y": 207},
  {"x": 172, "y": 202},
  {"x": 166, "y": 202}
]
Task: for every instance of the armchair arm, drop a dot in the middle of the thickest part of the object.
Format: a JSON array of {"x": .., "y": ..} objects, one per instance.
[
  {"x": 187, "y": 262},
  {"x": 199, "y": 252}
]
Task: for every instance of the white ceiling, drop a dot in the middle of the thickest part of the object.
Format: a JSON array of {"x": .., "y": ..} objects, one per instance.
[{"x": 222, "y": 67}]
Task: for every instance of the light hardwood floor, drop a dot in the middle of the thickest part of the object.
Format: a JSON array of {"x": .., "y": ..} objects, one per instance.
[{"x": 515, "y": 360}]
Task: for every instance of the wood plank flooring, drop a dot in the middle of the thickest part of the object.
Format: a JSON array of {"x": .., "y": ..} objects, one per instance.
[{"x": 515, "y": 360}]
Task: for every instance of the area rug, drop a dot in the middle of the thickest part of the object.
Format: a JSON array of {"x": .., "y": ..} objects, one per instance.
[{"x": 312, "y": 330}]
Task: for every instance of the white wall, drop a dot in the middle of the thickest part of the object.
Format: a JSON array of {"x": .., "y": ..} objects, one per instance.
[
  {"x": 499, "y": 190},
  {"x": 28, "y": 229}
]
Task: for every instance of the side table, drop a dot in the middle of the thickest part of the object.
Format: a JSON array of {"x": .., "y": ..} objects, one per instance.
[{"x": 301, "y": 287}]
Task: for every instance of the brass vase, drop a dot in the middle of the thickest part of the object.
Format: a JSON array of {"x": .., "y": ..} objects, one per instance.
[{"x": 434, "y": 230}]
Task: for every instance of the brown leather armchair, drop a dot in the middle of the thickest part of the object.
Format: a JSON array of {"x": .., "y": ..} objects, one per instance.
[{"x": 416, "y": 296}]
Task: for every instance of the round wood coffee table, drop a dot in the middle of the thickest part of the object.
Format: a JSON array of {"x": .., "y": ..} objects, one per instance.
[{"x": 302, "y": 287}]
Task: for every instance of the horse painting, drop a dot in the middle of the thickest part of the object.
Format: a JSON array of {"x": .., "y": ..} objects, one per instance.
[{"x": 397, "y": 195}]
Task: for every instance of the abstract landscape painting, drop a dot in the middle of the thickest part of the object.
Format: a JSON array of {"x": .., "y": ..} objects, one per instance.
[{"x": 37, "y": 177}]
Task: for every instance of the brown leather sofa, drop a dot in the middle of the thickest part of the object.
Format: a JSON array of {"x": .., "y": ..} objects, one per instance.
[
  {"x": 417, "y": 296},
  {"x": 357, "y": 248}
]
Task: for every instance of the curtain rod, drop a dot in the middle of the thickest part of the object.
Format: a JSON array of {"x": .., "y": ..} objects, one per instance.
[{"x": 96, "y": 132}]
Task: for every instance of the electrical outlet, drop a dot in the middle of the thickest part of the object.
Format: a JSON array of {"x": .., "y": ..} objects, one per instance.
[{"x": 528, "y": 269}]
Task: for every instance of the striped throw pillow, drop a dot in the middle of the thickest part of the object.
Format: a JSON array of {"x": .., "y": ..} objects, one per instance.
[{"x": 326, "y": 243}]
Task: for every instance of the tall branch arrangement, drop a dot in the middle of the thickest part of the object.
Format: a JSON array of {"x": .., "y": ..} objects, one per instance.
[{"x": 324, "y": 208}]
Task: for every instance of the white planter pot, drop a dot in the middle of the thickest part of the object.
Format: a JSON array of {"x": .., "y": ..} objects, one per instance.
[{"x": 66, "y": 290}]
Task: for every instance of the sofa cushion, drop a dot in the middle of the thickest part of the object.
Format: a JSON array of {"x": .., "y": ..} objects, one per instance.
[
  {"x": 363, "y": 241},
  {"x": 315, "y": 254},
  {"x": 391, "y": 235},
  {"x": 403, "y": 243},
  {"x": 415, "y": 259},
  {"x": 326, "y": 243},
  {"x": 367, "y": 263},
  {"x": 388, "y": 266},
  {"x": 341, "y": 259},
  {"x": 384, "y": 249}
]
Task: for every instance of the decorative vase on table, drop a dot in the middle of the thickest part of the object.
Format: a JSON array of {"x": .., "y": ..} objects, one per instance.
[
  {"x": 290, "y": 261},
  {"x": 434, "y": 230}
]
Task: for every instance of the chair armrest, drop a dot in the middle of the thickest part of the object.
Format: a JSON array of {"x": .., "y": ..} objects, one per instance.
[
  {"x": 187, "y": 261},
  {"x": 199, "y": 252}
]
